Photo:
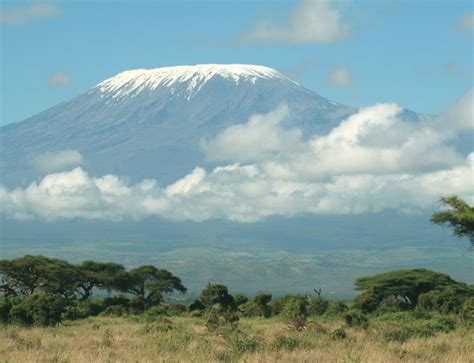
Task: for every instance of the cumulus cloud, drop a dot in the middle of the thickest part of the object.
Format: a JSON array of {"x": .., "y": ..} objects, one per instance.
[
  {"x": 340, "y": 77},
  {"x": 258, "y": 139},
  {"x": 311, "y": 21},
  {"x": 466, "y": 24},
  {"x": 372, "y": 161},
  {"x": 59, "y": 79},
  {"x": 53, "y": 161},
  {"x": 21, "y": 14}
]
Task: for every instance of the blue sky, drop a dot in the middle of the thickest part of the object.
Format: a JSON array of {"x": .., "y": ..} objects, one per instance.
[{"x": 416, "y": 53}]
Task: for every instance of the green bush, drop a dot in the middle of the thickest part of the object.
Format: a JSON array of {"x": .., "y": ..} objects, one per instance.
[
  {"x": 19, "y": 314},
  {"x": 196, "y": 305},
  {"x": 295, "y": 314},
  {"x": 336, "y": 308},
  {"x": 46, "y": 309},
  {"x": 367, "y": 302},
  {"x": 76, "y": 311},
  {"x": 6, "y": 304},
  {"x": 216, "y": 319},
  {"x": 217, "y": 296},
  {"x": 339, "y": 334},
  {"x": 402, "y": 289},
  {"x": 447, "y": 300},
  {"x": 248, "y": 310},
  {"x": 355, "y": 318},
  {"x": 317, "y": 306},
  {"x": 467, "y": 312},
  {"x": 407, "y": 329},
  {"x": 257, "y": 306},
  {"x": 242, "y": 343},
  {"x": 240, "y": 299},
  {"x": 277, "y": 304}
]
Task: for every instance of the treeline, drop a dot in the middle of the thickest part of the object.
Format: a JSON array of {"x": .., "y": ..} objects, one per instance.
[
  {"x": 42, "y": 290},
  {"x": 38, "y": 290}
]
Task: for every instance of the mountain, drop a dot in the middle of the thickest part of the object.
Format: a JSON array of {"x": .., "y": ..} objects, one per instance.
[{"x": 148, "y": 123}]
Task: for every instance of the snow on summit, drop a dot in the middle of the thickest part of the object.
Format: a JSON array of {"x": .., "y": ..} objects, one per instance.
[{"x": 193, "y": 77}]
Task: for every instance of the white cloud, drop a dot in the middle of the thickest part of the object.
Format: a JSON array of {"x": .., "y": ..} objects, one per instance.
[
  {"x": 371, "y": 162},
  {"x": 53, "y": 161},
  {"x": 466, "y": 23},
  {"x": 340, "y": 77},
  {"x": 311, "y": 21},
  {"x": 21, "y": 14},
  {"x": 59, "y": 79},
  {"x": 257, "y": 139}
]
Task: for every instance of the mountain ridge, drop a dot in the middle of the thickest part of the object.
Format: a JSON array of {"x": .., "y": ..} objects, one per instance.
[{"x": 153, "y": 130}]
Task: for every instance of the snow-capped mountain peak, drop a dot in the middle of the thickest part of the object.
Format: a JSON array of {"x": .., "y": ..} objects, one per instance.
[{"x": 193, "y": 78}]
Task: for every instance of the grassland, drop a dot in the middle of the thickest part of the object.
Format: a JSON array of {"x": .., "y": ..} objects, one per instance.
[{"x": 391, "y": 338}]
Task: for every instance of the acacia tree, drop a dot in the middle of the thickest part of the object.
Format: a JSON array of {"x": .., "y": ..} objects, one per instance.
[
  {"x": 26, "y": 275},
  {"x": 149, "y": 284},
  {"x": 404, "y": 286},
  {"x": 101, "y": 275},
  {"x": 458, "y": 215}
]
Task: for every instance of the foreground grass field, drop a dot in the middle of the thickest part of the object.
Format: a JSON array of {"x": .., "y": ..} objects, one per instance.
[{"x": 186, "y": 339}]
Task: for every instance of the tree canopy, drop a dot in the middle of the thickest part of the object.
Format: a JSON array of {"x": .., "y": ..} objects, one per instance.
[
  {"x": 458, "y": 215},
  {"x": 404, "y": 286},
  {"x": 29, "y": 275}
]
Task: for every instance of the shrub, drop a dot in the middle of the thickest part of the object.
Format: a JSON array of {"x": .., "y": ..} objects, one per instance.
[
  {"x": 243, "y": 343},
  {"x": 368, "y": 301},
  {"x": 258, "y": 306},
  {"x": 317, "y": 306},
  {"x": 336, "y": 308},
  {"x": 44, "y": 309},
  {"x": 414, "y": 328},
  {"x": 216, "y": 319},
  {"x": 6, "y": 304},
  {"x": 248, "y": 310},
  {"x": 196, "y": 305},
  {"x": 217, "y": 296},
  {"x": 240, "y": 299},
  {"x": 339, "y": 334},
  {"x": 467, "y": 311},
  {"x": 75, "y": 312},
  {"x": 447, "y": 300},
  {"x": 355, "y": 318},
  {"x": 277, "y": 304},
  {"x": 401, "y": 288},
  {"x": 261, "y": 301},
  {"x": 153, "y": 312},
  {"x": 19, "y": 314},
  {"x": 295, "y": 314}
]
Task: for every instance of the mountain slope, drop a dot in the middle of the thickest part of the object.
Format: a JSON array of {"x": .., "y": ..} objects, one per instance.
[{"x": 148, "y": 123}]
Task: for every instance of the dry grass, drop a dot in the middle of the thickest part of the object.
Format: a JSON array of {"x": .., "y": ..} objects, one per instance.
[{"x": 257, "y": 340}]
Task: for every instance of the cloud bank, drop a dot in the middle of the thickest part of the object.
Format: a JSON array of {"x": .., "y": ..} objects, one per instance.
[
  {"x": 54, "y": 161},
  {"x": 311, "y": 21},
  {"x": 373, "y": 161},
  {"x": 22, "y": 14}
]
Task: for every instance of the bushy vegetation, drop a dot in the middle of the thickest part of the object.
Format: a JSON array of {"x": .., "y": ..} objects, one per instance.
[{"x": 42, "y": 291}]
